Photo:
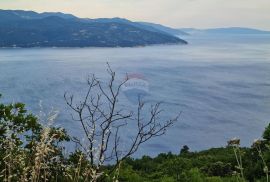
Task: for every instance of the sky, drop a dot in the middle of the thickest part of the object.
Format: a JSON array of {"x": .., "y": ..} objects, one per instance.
[{"x": 174, "y": 13}]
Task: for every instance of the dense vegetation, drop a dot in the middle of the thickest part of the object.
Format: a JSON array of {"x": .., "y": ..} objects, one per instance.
[
  {"x": 33, "y": 152},
  {"x": 216, "y": 164}
]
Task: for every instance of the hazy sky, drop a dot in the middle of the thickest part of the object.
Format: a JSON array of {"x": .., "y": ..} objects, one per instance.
[{"x": 175, "y": 13}]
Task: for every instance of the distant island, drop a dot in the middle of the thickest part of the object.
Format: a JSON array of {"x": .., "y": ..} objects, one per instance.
[
  {"x": 227, "y": 30},
  {"x": 30, "y": 29}
]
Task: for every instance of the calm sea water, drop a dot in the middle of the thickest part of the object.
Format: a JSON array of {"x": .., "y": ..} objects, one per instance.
[{"x": 221, "y": 85}]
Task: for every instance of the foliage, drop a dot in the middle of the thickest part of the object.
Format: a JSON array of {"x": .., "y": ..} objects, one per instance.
[{"x": 32, "y": 152}]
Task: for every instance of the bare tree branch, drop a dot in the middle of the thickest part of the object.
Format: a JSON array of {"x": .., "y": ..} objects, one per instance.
[{"x": 102, "y": 119}]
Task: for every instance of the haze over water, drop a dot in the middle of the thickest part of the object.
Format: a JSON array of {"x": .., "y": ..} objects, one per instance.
[{"x": 221, "y": 84}]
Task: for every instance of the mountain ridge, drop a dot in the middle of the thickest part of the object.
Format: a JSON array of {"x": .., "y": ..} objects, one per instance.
[{"x": 30, "y": 29}]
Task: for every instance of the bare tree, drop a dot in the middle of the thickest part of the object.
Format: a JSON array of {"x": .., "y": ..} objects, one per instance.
[{"x": 103, "y": 118}]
